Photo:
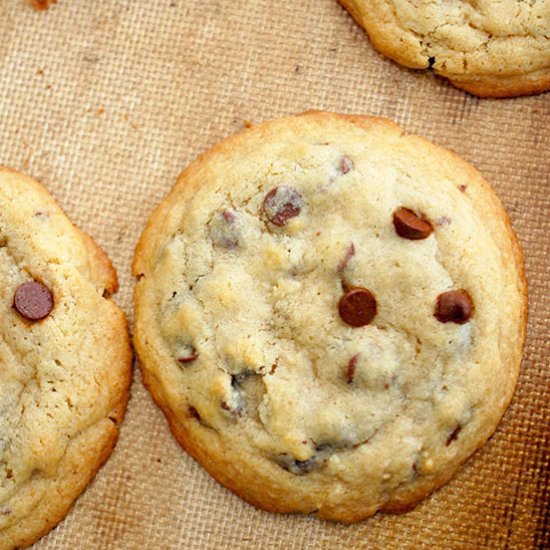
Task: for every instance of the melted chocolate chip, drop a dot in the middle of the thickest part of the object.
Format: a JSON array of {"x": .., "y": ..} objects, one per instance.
[
  {"x": 352, "y": 367},
  {"x": 224, "y": 230},
  {"x": 189, "y": 358},
  {"x": 346, "y": 164},
  {"x": 455, "y": 306},
  {"x": 236, "y": 403},
  {"x": 453, "y": 436},
  {"x": 431, "y": 62},
  {"x": 297, "y": 467},
  {"x": 228, "y": 216},
  {"x": 357, "y": 307},
  {"x": 443, "y": 221},
  {"x": 350, "y": 252},
  {"x": 411, "y": 226},
  {"x": 281, "y": 204},
  {"x": 193, "y": 413},
  {"x": 33, "y": 300}
]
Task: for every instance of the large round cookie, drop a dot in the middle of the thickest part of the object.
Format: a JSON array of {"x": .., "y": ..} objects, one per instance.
[
  {"x": 331, "y": 314},
  {"x": 489, "y": 48},
  {"x": 65, "y": 361}
]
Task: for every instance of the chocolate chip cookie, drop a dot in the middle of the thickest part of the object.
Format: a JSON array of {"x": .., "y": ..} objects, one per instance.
[
  {"x": 489, "y": 48},
  {"x": 64, "y": 356},
  {"x": 331, "y": 314}
]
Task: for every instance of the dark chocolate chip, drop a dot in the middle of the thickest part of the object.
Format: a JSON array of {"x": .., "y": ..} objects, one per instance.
[
  {"x": 357, "y": 307},
  {"x": 453, "y": 436},
  {"x": 455, "y": 306},
  {"x": 350, "y": 252},
  {"x": 33, "y": 300},
  {"x": 352, "y": 366},
  {"x": 189, "y": 358},
  {"x": 281, "y": 204},
  {"x": 346, "y": 164},
  {"x": 411, "y": 226},
  {"x": 431, "y": 62}
]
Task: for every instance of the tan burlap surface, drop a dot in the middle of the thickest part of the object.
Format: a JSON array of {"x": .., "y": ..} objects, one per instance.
[{"x": 106, "y": 101}]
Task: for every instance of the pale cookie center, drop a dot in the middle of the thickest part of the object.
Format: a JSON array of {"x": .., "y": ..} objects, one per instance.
[{"x": 305, "y": 346}]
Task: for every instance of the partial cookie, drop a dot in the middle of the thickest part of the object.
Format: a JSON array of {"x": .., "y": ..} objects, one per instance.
[
  {"x": 65, "y": 361},
  {"x": 331, "y": 314},
  {"x": 489, "y": 48}
]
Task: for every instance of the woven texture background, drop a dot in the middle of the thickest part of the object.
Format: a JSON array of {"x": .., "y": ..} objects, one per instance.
[{"x": 106, "y": 101}]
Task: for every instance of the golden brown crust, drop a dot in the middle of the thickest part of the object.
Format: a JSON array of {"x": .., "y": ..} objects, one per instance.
[
  {"x": 513, "y": 86},
  {"x": 104, "y": 272},
  {"x": 153, "y": 362}
]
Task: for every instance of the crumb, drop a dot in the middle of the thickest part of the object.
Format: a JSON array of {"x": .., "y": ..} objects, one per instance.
[{"x": 41, "y": 4}]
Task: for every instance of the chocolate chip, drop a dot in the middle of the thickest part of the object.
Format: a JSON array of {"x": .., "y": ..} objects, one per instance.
[
  {"x": 352, "y": 366},
  {"x": 224, "y": 230},
  {"x": 297, "y": 467},
  {"x": 193, "y": 413},
  {"x": 236, "y": 404},
  {"x": 357, "y": 307},
  {"x": 189, "y": 358},
  {"x": 33, "y": 300},
  {"x": 453, "y": 436},
  {"x": 455, "y": 306},
  {"x": 431, "y": 62},
  {"x": 281, "y": 204},
  {"x": 411, "y": 226},
  {"x": 346, "y": 164},
  {"x": 350, "y": 252}
]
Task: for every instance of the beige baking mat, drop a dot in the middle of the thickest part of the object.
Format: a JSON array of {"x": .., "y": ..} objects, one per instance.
[{"x": 105, "y": 101}]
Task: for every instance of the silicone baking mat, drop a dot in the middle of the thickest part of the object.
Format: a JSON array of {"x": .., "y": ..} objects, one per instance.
[{"x": 106, "y": 101}]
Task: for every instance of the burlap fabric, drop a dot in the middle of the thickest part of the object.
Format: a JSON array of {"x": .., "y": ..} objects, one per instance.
[{"x": 105, "y": 101}]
